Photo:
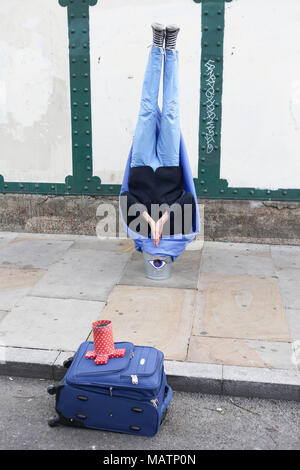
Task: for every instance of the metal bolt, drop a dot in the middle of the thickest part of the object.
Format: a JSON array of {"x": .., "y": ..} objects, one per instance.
[
  {"x": 88, "y": 157},
  {"x": 74, "y": 90}
]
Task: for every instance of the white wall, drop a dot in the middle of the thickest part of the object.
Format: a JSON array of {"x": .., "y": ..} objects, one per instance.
[
  {"x": 120, "y": 32},
  {"x": 261, "y": 94},
  {"x": 261, "y": 89},
  {"x": 35, "y": 135}
]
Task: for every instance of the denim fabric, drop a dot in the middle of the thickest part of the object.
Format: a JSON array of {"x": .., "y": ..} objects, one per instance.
[{"x": 148, "y": 148}]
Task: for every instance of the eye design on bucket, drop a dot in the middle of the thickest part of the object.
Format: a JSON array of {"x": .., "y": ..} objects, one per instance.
[{"x": 157, "y": 263}]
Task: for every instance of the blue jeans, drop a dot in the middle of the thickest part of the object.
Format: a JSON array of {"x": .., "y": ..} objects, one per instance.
[{"x": 148, "y": 150}]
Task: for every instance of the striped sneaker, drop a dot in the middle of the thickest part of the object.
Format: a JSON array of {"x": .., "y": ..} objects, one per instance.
[
  {"x": 172, "y": 31},
  {"x": 159, "y": 32}
]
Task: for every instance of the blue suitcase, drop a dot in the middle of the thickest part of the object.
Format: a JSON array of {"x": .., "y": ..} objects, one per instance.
[{"x": 127, "y": 395}]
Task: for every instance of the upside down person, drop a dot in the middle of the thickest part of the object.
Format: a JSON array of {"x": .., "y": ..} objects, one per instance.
[{"x": 156, "y": 178}]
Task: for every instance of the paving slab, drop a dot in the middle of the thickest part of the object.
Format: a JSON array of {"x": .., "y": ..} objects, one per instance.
[
  {"x": 289, "y": 282},
  {"x": 152, "y": 316},
  {"x": 285, "y": 256},
  {"x": 45, "y": 236},
  {"x": 6, "y": 238},
  {"x": 241, "y": 352},
  {"x": 3, "y": 314},
  {"x": 33, "y": 253},
  {"x": 85, "y": 274},
  {"x": 238, "y": 258},
  {"x": 248, "y": 307},
  {"x": 98, "y": 244},
  {"x": 15, "y": 283},
  {"x": 185, "y": 272},
  {"x": 293, "y": 319},
  {"x": 42, "y": 323}
]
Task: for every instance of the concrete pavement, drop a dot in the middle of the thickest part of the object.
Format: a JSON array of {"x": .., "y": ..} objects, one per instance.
[{"x": 228, "y": 320}]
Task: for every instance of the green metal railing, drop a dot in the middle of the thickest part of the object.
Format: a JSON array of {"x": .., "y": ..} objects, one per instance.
[{"x": 208, "y": 183}]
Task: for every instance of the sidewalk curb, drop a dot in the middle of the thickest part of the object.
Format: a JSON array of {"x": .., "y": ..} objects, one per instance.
[{"x": 214, "y": 379}]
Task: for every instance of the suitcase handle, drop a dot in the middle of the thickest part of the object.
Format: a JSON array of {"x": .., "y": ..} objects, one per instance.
[{"x": 167, "y": 399}]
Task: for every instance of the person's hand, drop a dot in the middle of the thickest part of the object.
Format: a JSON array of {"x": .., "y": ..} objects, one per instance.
[
  {"x": 151, "y": 223},
  {"x": 159, "y": 228}
]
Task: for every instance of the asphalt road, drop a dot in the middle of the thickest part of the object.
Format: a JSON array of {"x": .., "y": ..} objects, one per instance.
[{"x": 194, "y": 421}]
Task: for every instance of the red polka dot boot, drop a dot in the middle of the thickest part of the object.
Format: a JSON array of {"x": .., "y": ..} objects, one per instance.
[{"x": 103, "y": 343}]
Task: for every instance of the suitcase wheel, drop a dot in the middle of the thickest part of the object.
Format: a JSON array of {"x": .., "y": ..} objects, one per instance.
[
  {"x": 68, "y": 362},
  {"x": 52, "y": 389},
  {"x": 54, "y": 421}
]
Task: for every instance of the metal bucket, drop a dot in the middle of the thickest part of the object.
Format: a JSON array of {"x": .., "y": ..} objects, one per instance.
[{"x": 157, "y": 267}]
